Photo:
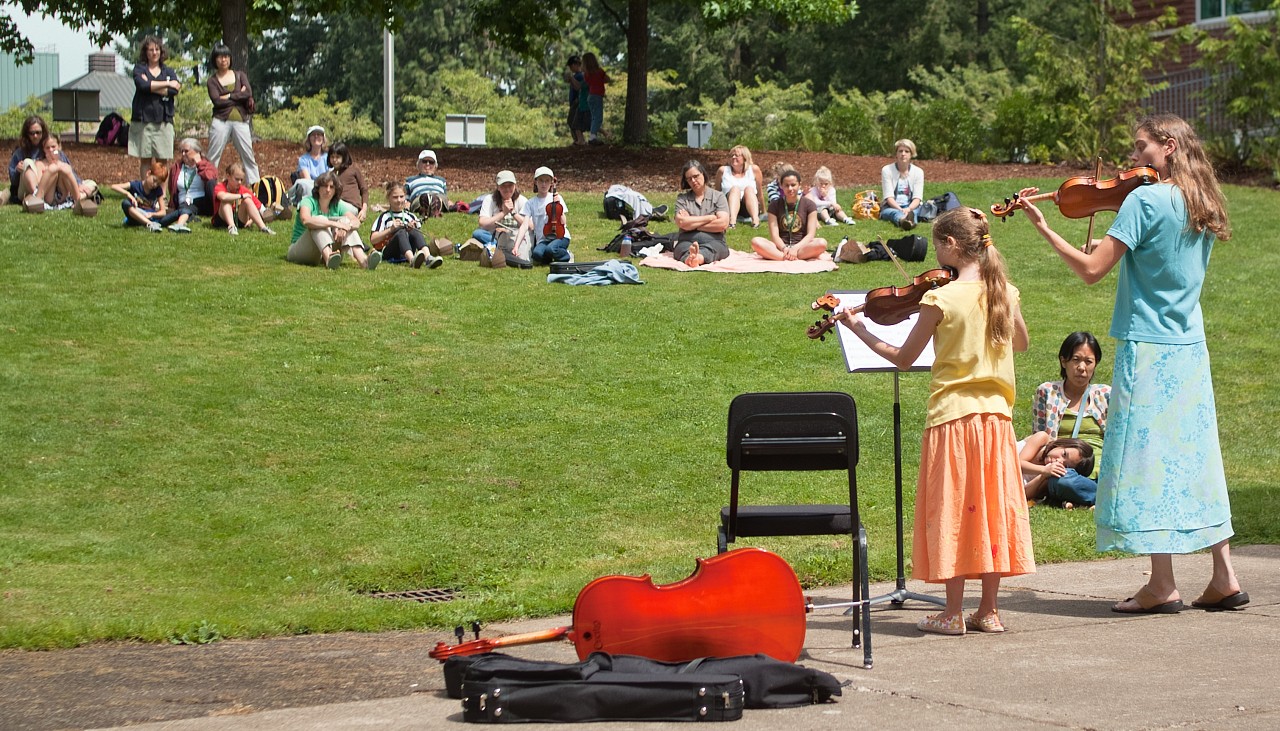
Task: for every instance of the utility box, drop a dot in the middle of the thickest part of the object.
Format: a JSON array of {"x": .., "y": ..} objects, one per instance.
[
  {"x": 699, "y": 134},
  {"x": 464, "y": 129}
]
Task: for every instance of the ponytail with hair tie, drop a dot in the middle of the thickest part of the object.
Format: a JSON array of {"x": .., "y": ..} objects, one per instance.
[{"x": 986, "y": 240}]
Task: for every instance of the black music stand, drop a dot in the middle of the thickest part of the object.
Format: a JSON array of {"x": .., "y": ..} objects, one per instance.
[{"x": 861, "y": 359}]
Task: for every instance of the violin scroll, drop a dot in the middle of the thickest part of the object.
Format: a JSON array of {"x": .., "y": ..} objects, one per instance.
[
  {"x": 1005, "y": 211},
  {"x": 819, "y": 329}
]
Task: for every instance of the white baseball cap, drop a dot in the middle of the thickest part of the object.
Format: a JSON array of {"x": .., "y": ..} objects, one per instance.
[
  {"x": 506, "y": 176},
  {"x": 544, "y": 170},
  {"x": 312, "y": 129},
  {"x": 428, "y": 154}
]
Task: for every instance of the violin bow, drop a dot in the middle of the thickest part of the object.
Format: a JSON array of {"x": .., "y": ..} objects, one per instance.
[
  {"x": 1088, "y": 239},
  {"x": 893, "y": 258}
]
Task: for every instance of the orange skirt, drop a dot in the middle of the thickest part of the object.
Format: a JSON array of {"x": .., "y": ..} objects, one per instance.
[{"x": 971, "y": 512}]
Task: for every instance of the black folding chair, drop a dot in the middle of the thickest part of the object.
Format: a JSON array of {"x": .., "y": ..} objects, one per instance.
[{"x": 799, "y": 432}]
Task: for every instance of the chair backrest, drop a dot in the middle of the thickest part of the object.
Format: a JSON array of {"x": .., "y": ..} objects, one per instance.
[{"x": 792, "y": 431}]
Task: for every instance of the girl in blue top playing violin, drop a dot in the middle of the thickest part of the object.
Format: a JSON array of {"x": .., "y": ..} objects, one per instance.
[{"x": 1162, "y": 489}]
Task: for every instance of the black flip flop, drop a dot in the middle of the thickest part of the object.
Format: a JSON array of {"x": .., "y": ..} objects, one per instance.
[
  {"x": 1226, "y": 603},
  {"x": 1172, "y": 607}
]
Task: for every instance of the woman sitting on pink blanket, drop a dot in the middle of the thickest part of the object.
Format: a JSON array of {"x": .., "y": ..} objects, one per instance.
[
  {"x": 792, "y": 220},
  {"x": 702, "y": 214}
]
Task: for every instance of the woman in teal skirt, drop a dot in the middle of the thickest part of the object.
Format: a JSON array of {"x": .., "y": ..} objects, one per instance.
[{"x": 1162, "y": 489}]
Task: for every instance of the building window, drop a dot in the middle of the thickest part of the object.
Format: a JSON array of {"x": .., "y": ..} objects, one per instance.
[{"x": 1214, "y": 9}]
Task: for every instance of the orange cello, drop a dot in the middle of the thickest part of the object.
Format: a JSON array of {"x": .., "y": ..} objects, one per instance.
[{"x": 742, "y": 602}]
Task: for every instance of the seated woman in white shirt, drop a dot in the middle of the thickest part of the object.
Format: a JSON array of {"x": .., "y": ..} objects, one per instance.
[
  {"x": 743, "y": 185},
  {"x": 901, "y": 187}
]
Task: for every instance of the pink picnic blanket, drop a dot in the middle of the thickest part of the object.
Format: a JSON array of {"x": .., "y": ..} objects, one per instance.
[{"x": 742, "y": 262}]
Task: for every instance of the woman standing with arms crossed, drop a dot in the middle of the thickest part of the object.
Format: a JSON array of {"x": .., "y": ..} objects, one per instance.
[
  {"x": 233, "y": 108},
  {"x": 151, "y": 129},
  {"x": 971, "y": 516},
  {"x": 1163, "y": 489}
]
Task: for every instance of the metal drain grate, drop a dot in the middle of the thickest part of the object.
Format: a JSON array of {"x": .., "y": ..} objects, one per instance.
[{"x": 419, "y": 595}]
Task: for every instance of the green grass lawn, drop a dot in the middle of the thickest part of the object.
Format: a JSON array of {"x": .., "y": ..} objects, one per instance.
[{"x": 196, "y": 431}]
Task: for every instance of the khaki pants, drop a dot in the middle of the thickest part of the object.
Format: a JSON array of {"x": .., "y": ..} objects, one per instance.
[{"x": 310, "y": 246}]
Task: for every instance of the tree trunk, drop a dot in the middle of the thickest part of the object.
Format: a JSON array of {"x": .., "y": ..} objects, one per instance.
[
  {"x": 635, "y": 125},
  {"x": 235, "y": 31}
]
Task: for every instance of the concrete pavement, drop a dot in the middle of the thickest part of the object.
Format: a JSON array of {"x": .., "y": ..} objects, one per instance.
[{"x": 1067, "y": 662}]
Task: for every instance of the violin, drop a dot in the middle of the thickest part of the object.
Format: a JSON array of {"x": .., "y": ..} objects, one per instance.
[
  {"x": 742, "y": 602},
  {"x": 554, "y": 227},
  {"x": 1085, "y": 195},
  {"x": 883, "y": 305}
]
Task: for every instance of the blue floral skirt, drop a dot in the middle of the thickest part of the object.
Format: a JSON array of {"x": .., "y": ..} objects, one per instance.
[{"x": 1162, "y": 487}]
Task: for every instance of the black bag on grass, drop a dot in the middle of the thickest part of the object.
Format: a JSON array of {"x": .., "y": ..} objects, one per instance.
[{"x": 913, "y": 247}]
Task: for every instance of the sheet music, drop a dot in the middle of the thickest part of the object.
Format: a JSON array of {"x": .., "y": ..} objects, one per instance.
[{"x": 861, "y": 359}]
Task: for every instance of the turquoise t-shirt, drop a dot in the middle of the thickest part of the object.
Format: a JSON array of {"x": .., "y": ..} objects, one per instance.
[
  {"x": 337, "y": 209},
  {"x": 1158, "y": 293}
]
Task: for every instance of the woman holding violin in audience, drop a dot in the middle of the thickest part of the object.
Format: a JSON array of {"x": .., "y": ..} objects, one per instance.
[
  {"x": 545, "y": 220},
  {"x": 1162, "y": 489}
]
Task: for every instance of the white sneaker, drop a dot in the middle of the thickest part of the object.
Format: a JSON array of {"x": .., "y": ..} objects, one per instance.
[
  {"x": 233, "y": 231},
  {"x": 180, "y": 228},
  {"x": 434, "y": 262},
  {"x": 155, "y": 227}
]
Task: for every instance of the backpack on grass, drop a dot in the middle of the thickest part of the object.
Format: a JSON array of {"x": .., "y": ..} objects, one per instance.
[{"x": 113, "y": 131}]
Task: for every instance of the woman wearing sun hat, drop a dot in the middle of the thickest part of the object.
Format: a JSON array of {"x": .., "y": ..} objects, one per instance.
[
  {"x": 545, "y": 220},
  {"x": 501, "y": 216},
  {"x": 311, "y": 164}
]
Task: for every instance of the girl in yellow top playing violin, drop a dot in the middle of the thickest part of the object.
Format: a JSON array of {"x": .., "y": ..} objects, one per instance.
[{"x": 971, "y": 515}]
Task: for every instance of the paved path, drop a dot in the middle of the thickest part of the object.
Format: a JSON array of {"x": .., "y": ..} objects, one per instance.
[{"x": 1067, "y": 662}]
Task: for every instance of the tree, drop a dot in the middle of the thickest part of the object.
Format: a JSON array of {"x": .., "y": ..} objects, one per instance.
[
  {"x": 525, "y": 25},
  {"x": 207, "y": 22}
]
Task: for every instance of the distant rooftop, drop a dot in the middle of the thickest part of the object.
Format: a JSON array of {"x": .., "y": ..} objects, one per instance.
[{"x": 115, "y": 90}]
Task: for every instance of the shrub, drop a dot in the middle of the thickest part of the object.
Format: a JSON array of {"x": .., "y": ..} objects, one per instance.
[
  {"x": 900, "y": 118},
  {"x": 950, "y": 130},
  {"x": 1020, "y": 132},
  {"x": 849, "y": 129},
  {"x": 192, "y": 108},
  {"x": 338, "y": 119},
  {"x": 508, "y": 121},
  {"x": 11, "y": 119},
  {"x": 745, "y": 118}
]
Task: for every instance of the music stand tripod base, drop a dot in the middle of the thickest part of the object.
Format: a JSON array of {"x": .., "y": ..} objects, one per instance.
[{"x": 900, "y": 594}]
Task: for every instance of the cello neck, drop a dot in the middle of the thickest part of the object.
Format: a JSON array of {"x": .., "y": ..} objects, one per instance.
[{"x": 443, "y": 652}]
